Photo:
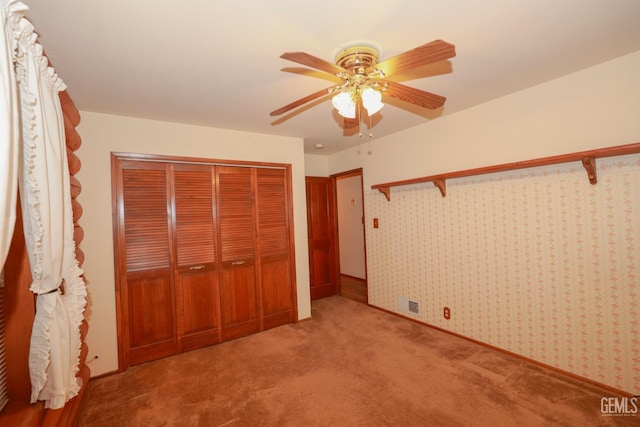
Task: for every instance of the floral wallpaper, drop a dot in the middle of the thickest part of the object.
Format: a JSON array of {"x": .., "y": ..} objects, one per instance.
[{"x": 537, "y": 262}]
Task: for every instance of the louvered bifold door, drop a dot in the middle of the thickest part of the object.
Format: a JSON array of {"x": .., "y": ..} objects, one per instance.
[
  {"x": 198, "y": 297},
  {"x": 144, "y": 237},
  {"x": 239, "y": 300},
  {"x": 276, "y": 281}
]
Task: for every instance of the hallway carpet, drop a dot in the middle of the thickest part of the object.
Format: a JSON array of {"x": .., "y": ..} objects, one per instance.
[
  {"x": 350, "y": 365},
  {"x": 353, "y": 288}
]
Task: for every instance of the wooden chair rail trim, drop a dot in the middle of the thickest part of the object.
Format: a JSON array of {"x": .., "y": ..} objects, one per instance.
[{"x": 588, "y": 159}]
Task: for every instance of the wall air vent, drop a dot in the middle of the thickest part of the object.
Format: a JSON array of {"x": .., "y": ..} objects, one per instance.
[
  {"x": 414, "y": 307},
  {"x": 408, "y": 306}
]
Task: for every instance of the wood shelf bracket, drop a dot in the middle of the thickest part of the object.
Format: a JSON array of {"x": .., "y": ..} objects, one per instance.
[
  {"x": 386, "y": 191},
  {"x": 442, "y": 186},
  {"x": 589, "y": 164}
]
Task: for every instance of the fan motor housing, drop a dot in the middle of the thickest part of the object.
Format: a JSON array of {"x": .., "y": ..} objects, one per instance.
[{"x": 357, "y": 58}]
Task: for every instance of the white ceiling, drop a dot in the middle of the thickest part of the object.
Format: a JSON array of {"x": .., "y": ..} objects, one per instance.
[{"x": 216, "y": 63}]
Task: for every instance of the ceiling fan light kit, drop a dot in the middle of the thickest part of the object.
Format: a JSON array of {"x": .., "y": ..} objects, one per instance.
[
  {"x": 358, "y": 83},
  {"x": 364, "y": 78},
  {"x": 345, "y": 103}
]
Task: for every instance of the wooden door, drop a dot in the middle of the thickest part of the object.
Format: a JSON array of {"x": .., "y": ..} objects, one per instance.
[
  {"x": 197, "y": 289},
  {"x": 276, "y": 275},
  {"x": 321, "y": 236},
  {"x": 147, "y": 288},
  {"x": 239, "y": 299}
]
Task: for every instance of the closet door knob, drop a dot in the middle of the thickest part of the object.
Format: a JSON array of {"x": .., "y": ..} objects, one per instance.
[
  {"x": 196, "y": 267},
  {"x": 238, "y": 262}
]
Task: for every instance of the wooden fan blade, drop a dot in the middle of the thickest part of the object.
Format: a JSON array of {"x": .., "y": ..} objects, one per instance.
[
  {"x": 437, "y": 50},
  {"x": 313, "y": 62},
  {"x": 413, "y": 95},
  {"x": 349, "y": 123},
  {"x": 301, "y": 101}
]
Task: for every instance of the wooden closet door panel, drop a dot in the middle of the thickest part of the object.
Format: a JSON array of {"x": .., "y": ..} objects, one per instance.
[
  {"x": 151, "y": 321},
  {"x": 273, "y": 212},
  {"x": 273, "y": 245},
  {"x": 197, "y": 273},
  {"x": 277, "y": 300},
  {"x": 239, "y": 302},
  {"x": 236, "y": 213},
  {"x": 236, "y": 217},
  {"x": 146, "y": 223},
  {"x": 194, "y": 214},
  {"x": 148, "y": 291},
  {"x": 199, "y": 309}
]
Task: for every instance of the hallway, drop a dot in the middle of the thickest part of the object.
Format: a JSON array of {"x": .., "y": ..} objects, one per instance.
[{"x": 353, "y": 288}]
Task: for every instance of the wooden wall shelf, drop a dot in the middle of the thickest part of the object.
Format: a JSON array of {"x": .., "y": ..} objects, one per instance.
[{"x": 588, "y": 159}]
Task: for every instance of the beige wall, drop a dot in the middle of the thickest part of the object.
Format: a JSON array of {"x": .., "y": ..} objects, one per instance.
[
  {"x": 316, "y": 165},
  {"x": 102, "y": 134},
  {"x": 540, "y": 263}
]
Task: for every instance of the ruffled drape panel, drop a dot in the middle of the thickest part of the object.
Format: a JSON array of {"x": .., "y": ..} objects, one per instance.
[
  {"x": 47, "y": 220},
  {"x": 9, "y": 124}
]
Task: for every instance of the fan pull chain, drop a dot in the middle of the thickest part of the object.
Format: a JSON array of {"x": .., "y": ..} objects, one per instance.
[
  {"x": 370, "y": 137},
  {"x": 359, "y": 116}
]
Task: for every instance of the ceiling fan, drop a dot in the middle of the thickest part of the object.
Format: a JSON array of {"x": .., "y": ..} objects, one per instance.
[{"x": 364, "y": 79}]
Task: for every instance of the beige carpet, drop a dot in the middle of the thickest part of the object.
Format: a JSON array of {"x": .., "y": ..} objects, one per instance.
[{"x": 351, "y": 365}]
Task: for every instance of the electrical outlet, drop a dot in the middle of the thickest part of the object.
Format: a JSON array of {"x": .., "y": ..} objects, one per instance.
[{"x": 447, "y": 313}]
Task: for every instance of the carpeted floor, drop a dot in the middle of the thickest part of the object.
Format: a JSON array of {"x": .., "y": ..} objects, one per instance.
[{"x": 351, "y": 365}]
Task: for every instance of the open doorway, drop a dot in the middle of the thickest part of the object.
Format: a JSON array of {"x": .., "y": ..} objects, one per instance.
[{"x": 351, "y": 244}]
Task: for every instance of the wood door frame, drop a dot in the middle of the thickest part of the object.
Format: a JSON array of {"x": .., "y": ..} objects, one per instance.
[{"x": 334, "y": 179}]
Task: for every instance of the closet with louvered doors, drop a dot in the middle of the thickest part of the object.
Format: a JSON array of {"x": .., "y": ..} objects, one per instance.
[{"x": 203, "y": 253}]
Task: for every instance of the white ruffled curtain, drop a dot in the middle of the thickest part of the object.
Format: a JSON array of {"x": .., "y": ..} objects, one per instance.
[
  {"x": 9, "y": 132},
  {"x": 45, "y": 194}
]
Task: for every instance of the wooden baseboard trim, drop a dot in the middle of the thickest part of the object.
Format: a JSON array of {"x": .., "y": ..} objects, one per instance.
[
  {"x": 577, "y": 377},
  {"x": 353, "y": 277},
  {"x": 106, "y": 374}
]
